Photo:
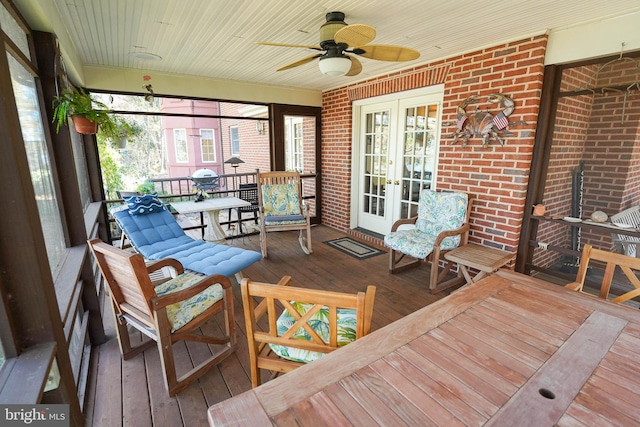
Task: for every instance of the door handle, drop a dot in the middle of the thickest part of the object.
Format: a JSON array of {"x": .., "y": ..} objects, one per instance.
[
  {"x": 397, "y": 182},
  {"x": 388, "y": 181}
]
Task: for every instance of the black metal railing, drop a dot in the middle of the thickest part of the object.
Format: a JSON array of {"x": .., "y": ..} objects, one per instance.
[{"x": 182, "y": 189}]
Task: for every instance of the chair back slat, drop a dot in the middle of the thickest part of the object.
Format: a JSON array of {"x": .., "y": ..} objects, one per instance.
[
  {"x": 126, "y": 275},
  {"x": 310, "y": 323},
  {"x": 628, "y": 265}
]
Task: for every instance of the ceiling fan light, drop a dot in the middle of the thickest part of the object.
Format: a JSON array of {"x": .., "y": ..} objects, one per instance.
[{"x": 335, "y": 66}]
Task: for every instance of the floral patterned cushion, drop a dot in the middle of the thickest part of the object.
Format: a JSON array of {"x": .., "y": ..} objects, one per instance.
[
  {"x": 280, "y": 199},
  {"x": 437, "y": 212},
  {"x": 320, "y": 323},
  {"x": 183, "y": 312}
]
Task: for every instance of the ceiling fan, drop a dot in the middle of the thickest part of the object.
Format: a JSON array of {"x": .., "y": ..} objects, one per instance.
[{"x": 339, "y": 43}]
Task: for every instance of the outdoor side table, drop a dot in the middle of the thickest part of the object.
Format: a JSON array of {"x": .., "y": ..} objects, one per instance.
[{"x": 482, "y": 258}]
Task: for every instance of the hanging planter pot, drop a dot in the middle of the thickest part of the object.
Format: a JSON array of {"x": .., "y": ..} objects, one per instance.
[
  {"x": 84, "y": 125},
  {"x": 122, "y": 142}
]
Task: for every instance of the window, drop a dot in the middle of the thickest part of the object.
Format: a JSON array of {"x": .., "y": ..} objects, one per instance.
[
  {"x": 235, "y": 140},
  {"x": 180, "y": 141},
  {"x": 26, "y": 95},
  {"x": 207, "y": 145},
  {"x": 294, "y": 143}
]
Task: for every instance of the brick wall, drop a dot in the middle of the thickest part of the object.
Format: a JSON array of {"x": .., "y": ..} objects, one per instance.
[
  {"x": 495, "y": 177},
  {"x": 254, "y": 144}
]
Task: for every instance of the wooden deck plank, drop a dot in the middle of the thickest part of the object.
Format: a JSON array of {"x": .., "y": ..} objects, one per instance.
[
  {"x": 135, "y": 395},
  {"x": 164, "y": 409},
  {"x": 107, "y": 408}
]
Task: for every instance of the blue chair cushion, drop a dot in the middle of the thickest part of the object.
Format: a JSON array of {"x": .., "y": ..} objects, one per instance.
[
  {"x": 437, "y": 212},
  {"x": 158, "y": 235}
]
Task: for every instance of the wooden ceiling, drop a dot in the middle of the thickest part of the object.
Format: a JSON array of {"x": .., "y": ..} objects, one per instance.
[{"x": 216, "y": 38}]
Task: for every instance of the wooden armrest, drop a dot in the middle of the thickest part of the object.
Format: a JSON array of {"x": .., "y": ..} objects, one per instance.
[
  {"x": 174, "y": 297},
  {"x": 574, "y": 286},
  {"x": 449, "y": 233},
  {"x": 403, "y": 221},
  {"x": 166, "y": 262}
]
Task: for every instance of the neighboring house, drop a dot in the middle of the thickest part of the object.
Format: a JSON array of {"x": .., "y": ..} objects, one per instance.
[{"x": 192, "y": 142}]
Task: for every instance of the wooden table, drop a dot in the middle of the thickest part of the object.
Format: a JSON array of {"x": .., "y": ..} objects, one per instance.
[
  {"x": 482, "y": 258},
  {"x": 211, "y": 207},
  {"x": 515, "y": 351}
]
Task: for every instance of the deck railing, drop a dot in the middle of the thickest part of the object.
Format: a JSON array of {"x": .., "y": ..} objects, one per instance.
[{"x": 182, "y": 189}]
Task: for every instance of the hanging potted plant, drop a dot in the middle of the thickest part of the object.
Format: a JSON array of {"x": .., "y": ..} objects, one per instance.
[{"x": 81, "y": 108}]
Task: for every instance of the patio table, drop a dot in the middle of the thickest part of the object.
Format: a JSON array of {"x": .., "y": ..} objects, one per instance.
[
  {"x": 512, "y": 350},
  {"x": 212, "y": 208}
]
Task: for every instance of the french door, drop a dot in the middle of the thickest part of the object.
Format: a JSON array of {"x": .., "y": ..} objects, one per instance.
[{"x": 395, "y": 150}]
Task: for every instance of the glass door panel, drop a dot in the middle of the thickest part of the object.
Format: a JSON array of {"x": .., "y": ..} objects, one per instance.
[{"x": 418, "y": 155}]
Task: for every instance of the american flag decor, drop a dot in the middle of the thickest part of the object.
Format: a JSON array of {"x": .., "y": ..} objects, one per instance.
[{"x": 500, "y": 121}]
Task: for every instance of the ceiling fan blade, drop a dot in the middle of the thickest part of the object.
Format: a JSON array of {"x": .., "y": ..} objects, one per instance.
[
  {"x": 384, "y": 52},
  {"x": 356, "y": 66},
  {"x": 289, "y": 45},
  {"x": 355, "y": 35},
  {"x": 300, "y": 62}
]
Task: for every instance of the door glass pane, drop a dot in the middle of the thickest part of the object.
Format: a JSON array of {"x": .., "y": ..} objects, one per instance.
[
  {"x": 24, "y": 89},
  {"x": 418, "y": 158},
  {"x": 375, "y": 162},
  {"x": 300, "y": 154}
]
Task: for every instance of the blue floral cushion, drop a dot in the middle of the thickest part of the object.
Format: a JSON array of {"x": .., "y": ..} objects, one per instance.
[
  {"x": 183, "y": 312},
  {"x": 320, "y": 323},
  {"x": 280, "y": 199},
  {"x": 145, "y": 204},
  {"x": 437, "y": 212}
]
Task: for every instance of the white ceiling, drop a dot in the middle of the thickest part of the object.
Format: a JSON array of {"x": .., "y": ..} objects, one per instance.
[{"x": 216, "y": 38}]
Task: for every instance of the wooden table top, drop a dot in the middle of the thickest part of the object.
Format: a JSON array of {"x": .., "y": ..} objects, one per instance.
[
  {"x": 507, "y": 350},
  {"x": 479, "y": 257}
]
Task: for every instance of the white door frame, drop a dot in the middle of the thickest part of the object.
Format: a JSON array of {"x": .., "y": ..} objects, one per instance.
[{"x": 357, "y": 142}]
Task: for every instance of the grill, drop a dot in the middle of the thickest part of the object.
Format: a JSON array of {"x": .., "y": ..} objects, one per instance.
[{"x": 204, "y": 180}]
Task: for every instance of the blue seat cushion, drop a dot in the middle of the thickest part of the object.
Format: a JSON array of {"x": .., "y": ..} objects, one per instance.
[{"x": 158, "y": 235}]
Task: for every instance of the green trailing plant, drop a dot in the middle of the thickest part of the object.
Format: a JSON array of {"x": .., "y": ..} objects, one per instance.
[{"x": 77, "y": 102}]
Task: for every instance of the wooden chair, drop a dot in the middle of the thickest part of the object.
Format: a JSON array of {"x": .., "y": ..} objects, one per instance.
[
  {"x": 281, "y": 207},
  {"x": 442, "y": 224},
  {"x": 313, "y": 323},
  {"x": 612, "y": 260},
  {"x": 167, "y": 313}
]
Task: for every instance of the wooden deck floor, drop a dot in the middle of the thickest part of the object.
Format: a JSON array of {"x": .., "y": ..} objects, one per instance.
[{"x": 131, "y": 393}]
